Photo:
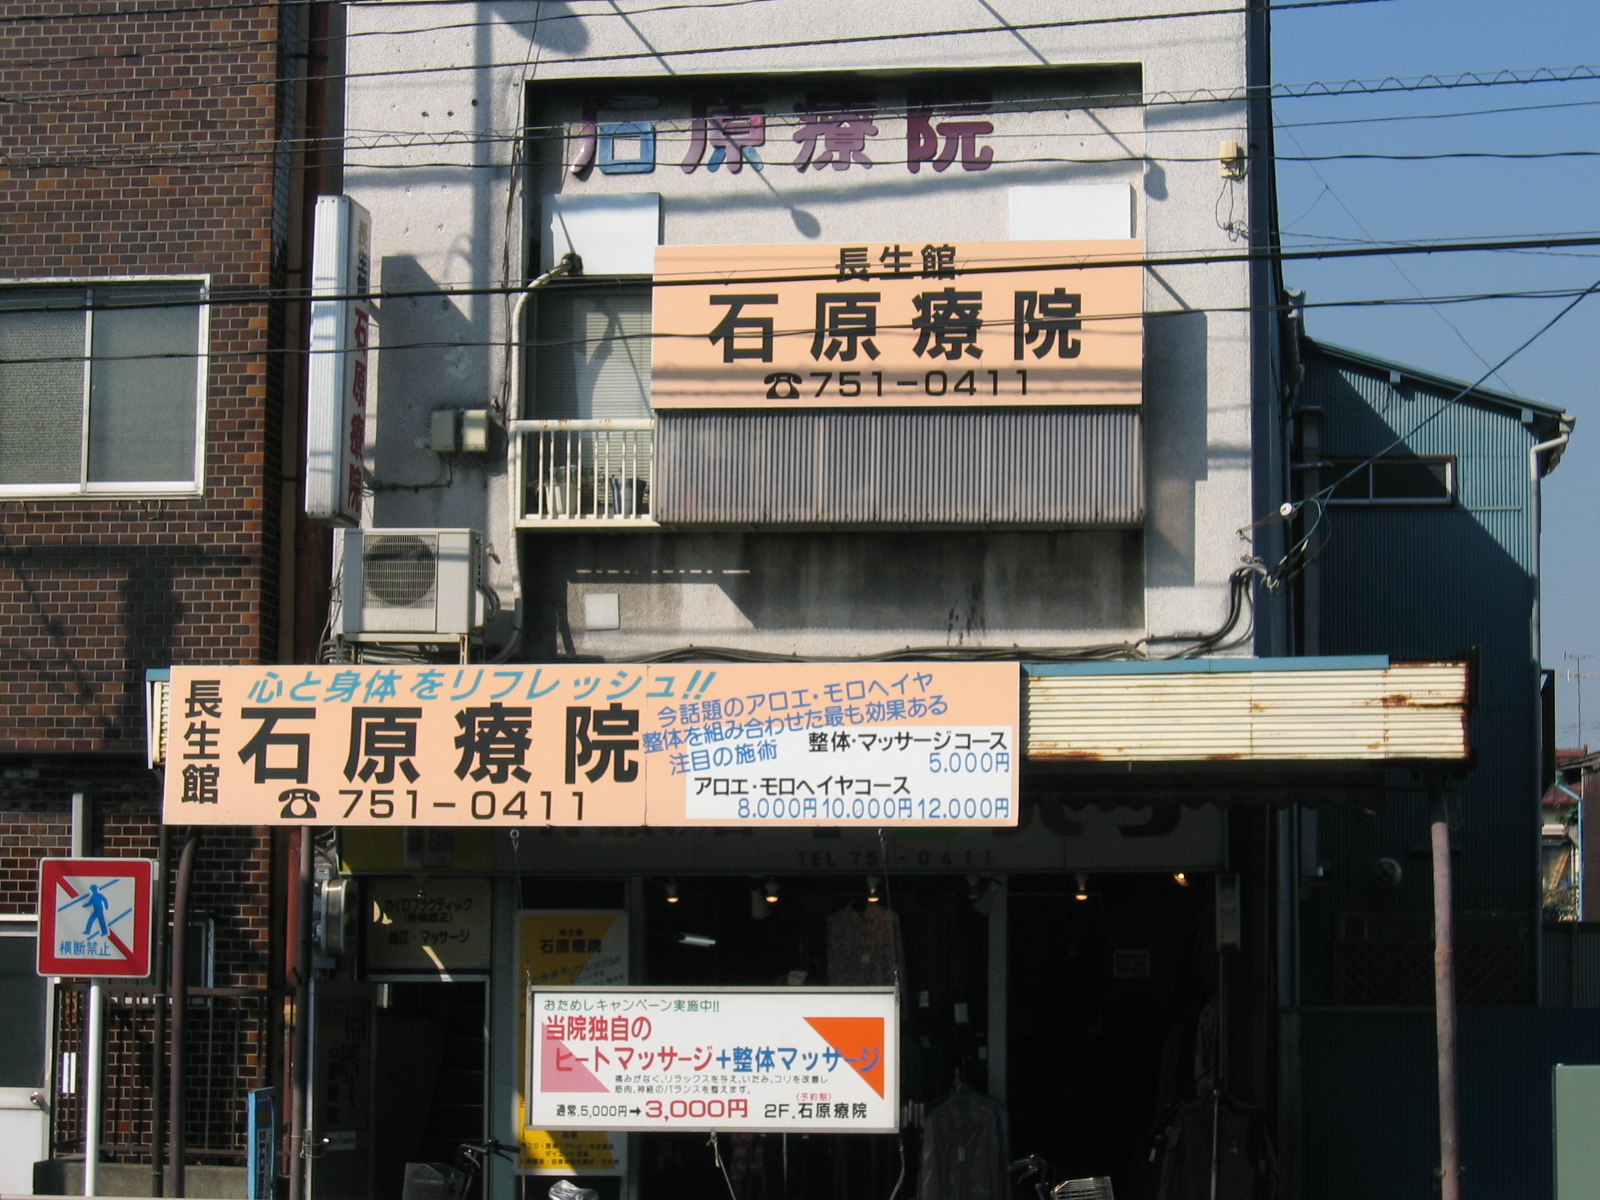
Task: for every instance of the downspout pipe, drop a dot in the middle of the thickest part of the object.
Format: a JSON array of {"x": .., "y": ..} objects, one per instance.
[
  {"x": 570, "y": 264},
  {"x": 1536, "y": 452},
  {"x": 180, "y": 1006}
]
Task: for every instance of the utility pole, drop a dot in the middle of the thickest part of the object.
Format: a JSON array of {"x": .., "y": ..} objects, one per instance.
[{"x": 1578, "y": 676}]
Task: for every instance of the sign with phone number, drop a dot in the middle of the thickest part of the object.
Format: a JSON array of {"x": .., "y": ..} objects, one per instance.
[
  {"x": 734, "y": 1060},
  {"x": 594, "y": 744}
]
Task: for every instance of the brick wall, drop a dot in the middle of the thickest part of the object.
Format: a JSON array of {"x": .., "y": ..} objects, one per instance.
[{"x": 146, "y": 148}]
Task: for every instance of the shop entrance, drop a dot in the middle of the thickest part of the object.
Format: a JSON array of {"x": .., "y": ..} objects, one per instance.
[
  {"x": 1111, "y": 998},
  {"x": 429, "y": 1054}
]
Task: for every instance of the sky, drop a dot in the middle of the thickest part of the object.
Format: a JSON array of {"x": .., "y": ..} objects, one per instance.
[{"x": 1464, "y": 198}]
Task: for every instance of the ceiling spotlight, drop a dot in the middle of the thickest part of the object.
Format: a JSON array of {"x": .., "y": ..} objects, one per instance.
[
  {"x": 1181, "y": 879},
  {"x": 1083, "y": 888},
  {"x": 696, "y": 939},
  {"x": 672, "y": 891},
  {"x": 872, "y": 889},
  {"x": 772, "y": 891}
]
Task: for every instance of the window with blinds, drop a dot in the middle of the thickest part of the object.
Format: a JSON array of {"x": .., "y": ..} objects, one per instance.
[
  {"x": 100, "y": 388},
  {"x": 591, "y": 353}
]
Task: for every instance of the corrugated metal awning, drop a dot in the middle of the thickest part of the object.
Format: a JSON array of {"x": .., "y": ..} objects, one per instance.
[{"x": 1248, "y": 710}]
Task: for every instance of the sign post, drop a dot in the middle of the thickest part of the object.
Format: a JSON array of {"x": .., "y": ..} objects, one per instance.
[{"x": 94, "y": 923}]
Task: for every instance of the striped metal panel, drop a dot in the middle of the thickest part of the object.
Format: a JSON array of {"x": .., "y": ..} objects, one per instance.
[
  {"x": 1060, "y": 467},
  {"x": 1405, "y": 712}
]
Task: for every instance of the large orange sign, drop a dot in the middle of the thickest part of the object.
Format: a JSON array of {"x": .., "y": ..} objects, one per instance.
[
  {"x": 600, "y": 744},
  {"x": 898, "y": 325}
]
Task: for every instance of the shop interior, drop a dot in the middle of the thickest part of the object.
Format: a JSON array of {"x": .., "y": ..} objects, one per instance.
[{"x": 1109, "y": 984}]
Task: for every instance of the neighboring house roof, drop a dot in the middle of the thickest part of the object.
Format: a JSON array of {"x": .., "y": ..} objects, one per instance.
[{"x": 1444, "y": 382}]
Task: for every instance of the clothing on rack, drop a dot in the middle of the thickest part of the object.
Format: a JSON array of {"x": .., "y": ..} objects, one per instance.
[
  {"x": 865, "y": 948},
  {"x": 963, "y": 1149}
]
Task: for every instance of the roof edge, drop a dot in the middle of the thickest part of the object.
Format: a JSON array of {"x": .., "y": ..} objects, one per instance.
[{"x": 1505, "y": 399}]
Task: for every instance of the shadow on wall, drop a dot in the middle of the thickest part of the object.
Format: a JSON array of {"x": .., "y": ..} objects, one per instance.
[
  {"x": 1175, "y": 442},
  {"x": 430, "y": 356},
  {"x": 946, "y": 588}
]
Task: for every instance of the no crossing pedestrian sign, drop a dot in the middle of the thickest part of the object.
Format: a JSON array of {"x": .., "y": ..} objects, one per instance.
[{"x": 94, "y": 916}]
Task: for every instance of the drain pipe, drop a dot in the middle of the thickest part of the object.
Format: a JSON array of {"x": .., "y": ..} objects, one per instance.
[
  {"x": 180, "y": 1005},
  {"x": 570, "y": 264}
]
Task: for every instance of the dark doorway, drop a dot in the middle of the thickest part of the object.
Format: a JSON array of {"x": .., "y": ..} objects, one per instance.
[
  {"x": 1108, "y": 1004},
  {"x": 429, "y": 1066}
]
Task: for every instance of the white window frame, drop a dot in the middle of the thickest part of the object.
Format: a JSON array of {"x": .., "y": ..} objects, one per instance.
[
  {"x": 1452, "y": 480},
  {"x": 125, "y": 491}
]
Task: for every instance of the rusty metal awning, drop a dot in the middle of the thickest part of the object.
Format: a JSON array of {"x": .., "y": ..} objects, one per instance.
[{"x": 1353, "y": 710}]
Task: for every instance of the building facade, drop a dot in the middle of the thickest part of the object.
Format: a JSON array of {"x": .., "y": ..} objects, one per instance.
[{"x": 154, "y": 196}]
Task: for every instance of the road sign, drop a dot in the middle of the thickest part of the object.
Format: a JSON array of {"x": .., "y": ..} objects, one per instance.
[{"x": 94, "y": 916}]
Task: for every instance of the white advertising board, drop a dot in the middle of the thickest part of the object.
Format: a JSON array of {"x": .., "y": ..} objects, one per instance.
[
  {"x": 342, "y": 331},
  {"x": 769, "y": 1060}
]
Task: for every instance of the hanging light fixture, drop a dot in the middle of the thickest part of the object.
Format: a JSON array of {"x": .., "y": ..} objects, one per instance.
[
  {"x": 672, "y": 891},
  {"x": 1181, "y": 879},
  {"x": 1083, "y": 888},
  {"x": 772, "y": 891},
  {"x": 872, "y": 889}
]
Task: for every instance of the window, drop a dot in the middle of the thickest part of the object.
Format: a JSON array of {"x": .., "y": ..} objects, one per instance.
[
  {"x": 591, "y": 354},
  {"x": 1429, "y": 480},
  {"x": 100, "y": 388}
]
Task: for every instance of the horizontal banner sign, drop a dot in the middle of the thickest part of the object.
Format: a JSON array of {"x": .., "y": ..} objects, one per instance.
[
  {"x": 735, "y": 1060},
  {"x": 897, "y": 325},
  {"x": 594, "y": 744}
]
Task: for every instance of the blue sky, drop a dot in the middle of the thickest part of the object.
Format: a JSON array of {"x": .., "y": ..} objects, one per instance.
[{"x": 1461, "y": 199}]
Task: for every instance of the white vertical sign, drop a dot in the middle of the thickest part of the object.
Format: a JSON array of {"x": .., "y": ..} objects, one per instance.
[{"x": 341, "y": 335}]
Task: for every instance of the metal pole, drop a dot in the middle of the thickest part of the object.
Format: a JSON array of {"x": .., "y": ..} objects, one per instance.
[
  {"x": 180, "y": 1005},
  {"x": 1444, "y": 994},
  {"x": 94, "y": 1052},
  {"x": 299, "y": 1065},
  {"x": 158, "y": 1033}
]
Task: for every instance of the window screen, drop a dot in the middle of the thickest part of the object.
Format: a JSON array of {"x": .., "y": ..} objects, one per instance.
[
  {"x": 1394, "y": 480},
  {"x": 99, "y": 387},
  {"x": 143, "y": 391},
  {"x": 41, "y": 387},
  {"x": 591, "y": 355}
]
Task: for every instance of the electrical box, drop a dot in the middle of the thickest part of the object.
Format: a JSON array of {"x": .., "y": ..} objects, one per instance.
[
  {"x": 475, "y": 431},
  {"x": 442, "y": 435}
]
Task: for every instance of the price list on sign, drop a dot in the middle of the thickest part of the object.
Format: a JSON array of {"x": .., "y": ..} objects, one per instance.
[
  {"x": 806, "y": 1060},
  {"x": 596, "y": 744}
]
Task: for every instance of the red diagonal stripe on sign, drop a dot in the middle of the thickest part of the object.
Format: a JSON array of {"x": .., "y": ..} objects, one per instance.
[{"x": 859, "y": 1041}]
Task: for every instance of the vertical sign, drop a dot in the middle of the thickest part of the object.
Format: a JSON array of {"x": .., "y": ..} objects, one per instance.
[
  {"x": 570, "y": 949},
  {"x": 94, "y": 917},
  {"x": 261, "y": 1148},
  {"x": 341, "y": 334}
]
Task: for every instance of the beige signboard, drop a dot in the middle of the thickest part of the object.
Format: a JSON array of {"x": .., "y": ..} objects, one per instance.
[
  {"x": 595, "y": 744},
  {"x": 887, "y": 324},
  {"x": 432, "y": 925},
  {"x": 562, "y": 949}
]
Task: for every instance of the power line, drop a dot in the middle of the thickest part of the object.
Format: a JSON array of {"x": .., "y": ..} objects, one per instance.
[
  {"x": 216, "y": 159},
  {"x": 652, "y": 335}
]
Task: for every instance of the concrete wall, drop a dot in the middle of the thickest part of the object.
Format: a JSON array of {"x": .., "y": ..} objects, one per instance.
[{"x": 451, "y": 219}]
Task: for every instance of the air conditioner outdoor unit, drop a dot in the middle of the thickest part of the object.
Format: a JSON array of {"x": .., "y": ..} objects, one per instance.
[{"x": 407, "y": 585}]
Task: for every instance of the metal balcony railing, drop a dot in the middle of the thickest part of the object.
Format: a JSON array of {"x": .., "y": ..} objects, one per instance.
[{"x": 593, "y": 473}]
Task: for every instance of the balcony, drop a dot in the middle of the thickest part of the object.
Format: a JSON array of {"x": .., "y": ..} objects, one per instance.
[{"x": 583, "y": 474}]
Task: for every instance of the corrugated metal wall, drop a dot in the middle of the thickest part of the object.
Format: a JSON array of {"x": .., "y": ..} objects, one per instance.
[
  {"x": 1370, "y": 1115},
  {"x": 1571, "y": 965},
  {"x": 1421, "y": 582},
  {"x": 1061, "y": 467}
]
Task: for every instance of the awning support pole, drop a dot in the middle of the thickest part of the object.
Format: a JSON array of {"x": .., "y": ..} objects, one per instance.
[{"x": 1444, "y": 992}]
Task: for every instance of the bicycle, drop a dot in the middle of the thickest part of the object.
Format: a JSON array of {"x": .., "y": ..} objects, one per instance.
[
  {"x": 1041, "y": 1174},
  {"x": 439, "y": 1181}
]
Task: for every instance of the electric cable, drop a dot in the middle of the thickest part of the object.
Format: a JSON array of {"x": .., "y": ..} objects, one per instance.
[
  {"x": 550, "y": 343},
  {"x": 245, "y": 295}
]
